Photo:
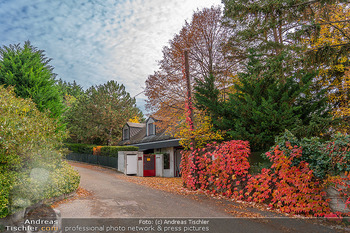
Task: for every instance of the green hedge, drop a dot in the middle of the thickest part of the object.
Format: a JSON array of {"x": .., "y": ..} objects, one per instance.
[
  {"x": 111, "y": 151},
  {"x": 80, "y": 148}
]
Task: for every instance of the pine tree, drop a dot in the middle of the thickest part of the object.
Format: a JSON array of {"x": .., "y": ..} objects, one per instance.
[
  {"x": 28, "y": 70},
  {"x": 266, "y": 103},
  {"x": 207, "y": 92},
  {"x": 272, "y": 27}
]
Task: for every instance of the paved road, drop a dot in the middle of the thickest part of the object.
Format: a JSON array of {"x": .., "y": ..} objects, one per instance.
[{"x": 114, "y": 197}]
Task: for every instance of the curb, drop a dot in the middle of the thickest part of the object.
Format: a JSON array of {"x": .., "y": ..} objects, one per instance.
[{"x": 19, "y": 215}]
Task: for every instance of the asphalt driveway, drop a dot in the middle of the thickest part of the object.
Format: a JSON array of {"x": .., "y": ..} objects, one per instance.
[{"x": 114, "y": 197}]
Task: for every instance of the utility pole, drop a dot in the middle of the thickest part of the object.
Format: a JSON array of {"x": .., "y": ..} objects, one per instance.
[{"x": 189, "y": 97}]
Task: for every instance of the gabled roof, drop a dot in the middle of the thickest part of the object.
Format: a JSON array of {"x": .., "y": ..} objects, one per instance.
[
  {"x": 136, "y": 125},
  {"x": 139, "y": 137}
]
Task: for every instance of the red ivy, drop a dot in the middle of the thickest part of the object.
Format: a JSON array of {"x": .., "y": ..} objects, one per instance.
[
  {"x": 216, "y": 168},
  {"x": 223, "y": 169},
  {"x": 292, "y": 189}
]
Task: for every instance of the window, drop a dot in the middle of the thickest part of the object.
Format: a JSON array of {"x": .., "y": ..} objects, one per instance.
[
  {"x": 126, "y": 134},
  {"x": 151, "y": 129},
  {"x": 166, "y": 159}
]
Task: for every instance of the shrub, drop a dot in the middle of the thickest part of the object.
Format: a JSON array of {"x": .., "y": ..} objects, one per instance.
[
  {"x": 324, "y": 158},
  {"x": 294, "y": 183},
  {"x": 338, "y": 149},
  {"x": 6, "y": 183},
  {"x": 80, "y": 148},
  {"x": 44, "y": 183},
  {"x": 28, "y": 140},
  {"x": 111, "y": 151}
]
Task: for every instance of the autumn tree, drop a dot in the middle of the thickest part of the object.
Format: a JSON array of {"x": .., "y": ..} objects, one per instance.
[
  {"x": 329, "y": 47},
  {"x": 340, "y": 100},
  {"x": 271, "y": 27},
  {"x": 203, "y": 37},
  {"x": 203, "y": 134},
  {"x": 328, "y": 36},
  {"x": 136, "y": 119},
  {"x": 98, "y": 116}
]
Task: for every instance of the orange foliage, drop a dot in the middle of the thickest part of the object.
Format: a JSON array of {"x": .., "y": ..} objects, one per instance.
[
  {"x": 166, "y": 89},
  {"x": 96, "y": 150}
]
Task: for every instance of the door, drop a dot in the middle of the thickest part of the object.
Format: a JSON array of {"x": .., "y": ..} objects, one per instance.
[
  {"x": 149, "y": 165},
  {"x": 131, "y": 164}
]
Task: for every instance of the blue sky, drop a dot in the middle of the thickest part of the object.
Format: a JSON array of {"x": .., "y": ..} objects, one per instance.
[{"x": 93, "y": 41}]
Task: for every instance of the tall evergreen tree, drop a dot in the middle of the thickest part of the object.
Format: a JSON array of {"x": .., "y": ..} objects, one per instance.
[
  {"x": 313, "y": 34},
  {"x": 28, "y": 70},
  {"x": 272, "y": 27},
  {"x": 70, "y": 93},
  {"x": 71, "y": 89},
  {"x": 98, "y": 116},
  {"x": 265, "y": 104}
]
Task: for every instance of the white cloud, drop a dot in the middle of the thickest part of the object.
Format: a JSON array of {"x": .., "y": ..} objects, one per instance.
[{"x": 96, "y": 41}]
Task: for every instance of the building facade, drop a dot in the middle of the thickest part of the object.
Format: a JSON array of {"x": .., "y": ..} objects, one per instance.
[{"x": 152, "y": 141}]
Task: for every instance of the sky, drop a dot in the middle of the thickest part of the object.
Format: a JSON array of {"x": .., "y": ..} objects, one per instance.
[{"x": 94, "y": 41}]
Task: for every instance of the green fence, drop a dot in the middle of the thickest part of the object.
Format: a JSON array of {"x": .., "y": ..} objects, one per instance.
[{"x": 94, "y": 159}]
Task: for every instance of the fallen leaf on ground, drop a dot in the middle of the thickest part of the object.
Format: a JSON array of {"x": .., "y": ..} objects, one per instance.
[{"x": 79, "y": 194}]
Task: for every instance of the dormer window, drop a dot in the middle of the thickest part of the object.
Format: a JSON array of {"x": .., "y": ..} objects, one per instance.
[
  {"x": 125, "y": 133},
  {"x": 151, "y": 129}
]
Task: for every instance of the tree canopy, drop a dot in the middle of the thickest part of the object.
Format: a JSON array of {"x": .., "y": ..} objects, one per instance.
[
  {"x": 265, "y": 104},
  {"x": 98, "y": 116},
  {"x": 28, "y": 70},
  {"x": 203, "y": 36}
]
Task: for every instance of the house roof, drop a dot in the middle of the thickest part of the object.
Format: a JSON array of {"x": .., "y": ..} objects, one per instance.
[
  {"x": 136, "y": 125},
  {"x": 160, "y": 140},
  {"x": 158, "y": 144}
]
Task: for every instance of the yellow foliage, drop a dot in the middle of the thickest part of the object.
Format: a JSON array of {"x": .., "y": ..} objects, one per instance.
[
  {"x": 135, "y": 119},
  {"x": 229, "y": 86},
  {"x": 69, "y": 100},
  {"x": 334, "y": 31},
  {"x": 203, "y": 133},
  {"x": 341, "y": 97}
]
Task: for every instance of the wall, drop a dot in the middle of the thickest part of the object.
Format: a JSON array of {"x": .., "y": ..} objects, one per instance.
[
  {"x": 168, "y": 172},
  {"x": 140, "y": 164},
  {"x": 159, "y": 165},
  {"x": 122, "y": 157},
  {"x": 159, "y": 162}
]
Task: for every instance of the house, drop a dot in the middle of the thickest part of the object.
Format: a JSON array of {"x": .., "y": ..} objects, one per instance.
[{"x": 152, "y": 141}]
